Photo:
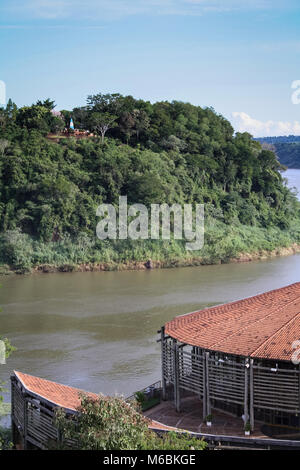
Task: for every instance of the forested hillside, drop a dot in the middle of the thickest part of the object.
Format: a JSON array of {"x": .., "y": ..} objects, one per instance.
[{"x": 51, "y": 182}]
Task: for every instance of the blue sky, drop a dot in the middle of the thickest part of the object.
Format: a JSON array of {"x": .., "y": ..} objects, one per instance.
[{"x": 239, "y": 57}]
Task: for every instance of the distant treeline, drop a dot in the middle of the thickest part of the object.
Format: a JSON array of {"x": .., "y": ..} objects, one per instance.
[{"x": 280, "y": 139}]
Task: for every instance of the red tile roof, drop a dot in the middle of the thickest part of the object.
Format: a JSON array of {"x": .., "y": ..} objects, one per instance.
[
  {"x": 65, "y": 396},
  {"x": 57, "y": 394},
  {"x": 263, "y": 326},
  {"x": 156, "y": 425}
]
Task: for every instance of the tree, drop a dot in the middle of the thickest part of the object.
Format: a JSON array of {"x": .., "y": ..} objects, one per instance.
[
  {"x": 142, "y": 121},
  {"x": 109, "y": 423},
  {"x": 104, "y": 111},
  {"x": 80, "y": 116},
  {"x": 48, "y": 104},
  {"x": 127, "y": 124},
  {"x": 11, "y": 110},
  {"x": 2, "y": 117},
  {"x": 105, "y": 103},
  {"x": 102, "y": 122},
  {"x": 34, "y": 117}
]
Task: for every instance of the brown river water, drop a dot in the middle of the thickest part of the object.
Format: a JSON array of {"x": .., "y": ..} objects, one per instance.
[{"x": 98, "y": 331}]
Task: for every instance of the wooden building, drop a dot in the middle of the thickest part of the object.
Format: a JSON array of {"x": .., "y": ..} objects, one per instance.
[
  {"x": 34, "y": 401},
  {"x": 240, "y": 357}
]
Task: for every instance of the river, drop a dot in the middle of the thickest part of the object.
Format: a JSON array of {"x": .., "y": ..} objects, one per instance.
[{"x": 97, "y": 331}]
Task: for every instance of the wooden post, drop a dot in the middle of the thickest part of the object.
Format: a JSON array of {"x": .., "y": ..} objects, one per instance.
[
  {"x": 25, "y": 422},
  {"x": 246, "y": 392},
  {"x": 251, "y": 396},
  {"x": 176, "y": 376},
  {"x": 299, "y": 387},
  {"x": 208, "y": 408},
  {"x": 163, "y": 363},
  {"x": 204, "y": 397}
]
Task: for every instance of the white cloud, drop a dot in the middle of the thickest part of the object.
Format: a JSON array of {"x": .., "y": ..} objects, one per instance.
[
  {"x": 244, "y": 123},
  {"x": 110, "y": 9}
]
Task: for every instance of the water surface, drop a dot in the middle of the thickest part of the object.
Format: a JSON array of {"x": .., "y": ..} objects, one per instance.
[{"x": 98, "y": 331}]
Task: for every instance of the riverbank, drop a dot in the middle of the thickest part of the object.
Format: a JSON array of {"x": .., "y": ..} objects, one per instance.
[
  {"x": 153, "y": 264},
  {"x": 223, "y": 243}
]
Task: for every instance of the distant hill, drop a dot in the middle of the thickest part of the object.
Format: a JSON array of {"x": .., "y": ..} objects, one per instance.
[
  {"x": 280, "y": 139},
  {"x": 287, "y": 149}
]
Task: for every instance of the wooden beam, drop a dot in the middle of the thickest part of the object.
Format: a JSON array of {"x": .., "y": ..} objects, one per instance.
[
  {"x": 25, "y": 422},
  {"x": 163, "y": 372},
  {"x": 246, "y": 415},
  {"x": 208, "y": 407},
  {"x": 204, "y": 389},
  {"x": 251, "y": 396},
  {"x": 176, "y": 376}
]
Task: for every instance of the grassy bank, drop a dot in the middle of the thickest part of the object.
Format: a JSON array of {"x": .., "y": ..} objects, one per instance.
[{"x": 21, "y": 253}]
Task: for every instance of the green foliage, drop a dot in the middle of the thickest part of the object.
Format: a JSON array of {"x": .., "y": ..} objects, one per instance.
[
  {"x": 109, "y": 423},
  {"x": 144, "y": 402},
  {"x": 150, "y": 403},
  {"x": 140, "y": 397},
  {"x": 248, "y": 426},
  {"x": 174, "y": 441},
  {"x": 153, "y": 153},
  {"x": 5, "y": 439}
]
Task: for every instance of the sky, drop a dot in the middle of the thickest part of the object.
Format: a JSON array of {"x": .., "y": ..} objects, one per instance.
[{"x": 240, "y": 57}]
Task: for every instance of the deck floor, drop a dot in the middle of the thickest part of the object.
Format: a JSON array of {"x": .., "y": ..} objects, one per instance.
[{"x": 191, "y": 419}]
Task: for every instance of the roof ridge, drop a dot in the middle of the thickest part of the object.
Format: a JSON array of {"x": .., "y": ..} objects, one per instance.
[
  {"x": 227, "y": 305},
  {"x": 264, "y": 323},
  {"x": 261, "y": 319},
  {"x": 20, "y": 374}
]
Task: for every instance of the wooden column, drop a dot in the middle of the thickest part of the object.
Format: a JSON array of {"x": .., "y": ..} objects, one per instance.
[
  {"x": 204, "y": 388},
  {"x": 299, "y": 387},
  {"x": 163, "y": 363},
  {"x": 208, "y": 407},
  {"x": 251, "y": 395},
  {"x": 176, "y": 376},
  {"x": 25, "y": 421},
  {"x": 246, "y": 392}
]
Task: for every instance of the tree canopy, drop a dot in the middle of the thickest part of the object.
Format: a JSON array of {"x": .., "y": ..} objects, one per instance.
[
  {"x": 165, "y": 152},
  {"x": 109, "y": 423}
]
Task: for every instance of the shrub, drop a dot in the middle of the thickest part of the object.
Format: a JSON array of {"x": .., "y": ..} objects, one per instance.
[{"x": 109, "y": 423}]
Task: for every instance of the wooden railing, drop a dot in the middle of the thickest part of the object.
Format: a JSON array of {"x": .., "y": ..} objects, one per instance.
[{"x": 148, "y": 391}]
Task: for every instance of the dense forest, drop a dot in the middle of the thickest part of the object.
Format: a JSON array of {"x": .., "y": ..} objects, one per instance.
[
  {"x": 287, "y": 149},
  {"x": 52, "y": 179}
]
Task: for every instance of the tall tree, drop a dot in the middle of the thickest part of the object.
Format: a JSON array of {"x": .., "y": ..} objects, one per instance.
[{"x": 102, "y": 122}]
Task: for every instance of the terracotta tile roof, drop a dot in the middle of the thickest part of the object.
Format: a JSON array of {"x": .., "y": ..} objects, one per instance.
[
  {"x": 160, "y": 426},
  {"x": 57, "y": 394},
  {"x": 64, "y": 396},
  {"x": 262, "y": 326}
]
